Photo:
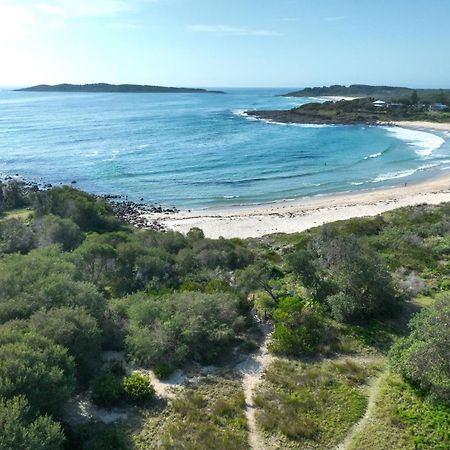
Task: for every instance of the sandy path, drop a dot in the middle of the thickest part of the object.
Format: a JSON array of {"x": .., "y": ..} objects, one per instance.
[
  {"x": 373, "y": 395},
  {"x": 252, "y": 369}
]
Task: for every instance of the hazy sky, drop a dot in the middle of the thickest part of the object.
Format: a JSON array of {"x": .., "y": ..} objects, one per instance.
[{"x": 226, "y": 42}]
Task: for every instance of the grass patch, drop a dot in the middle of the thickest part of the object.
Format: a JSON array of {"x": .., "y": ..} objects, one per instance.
[
  {"x": 402, "y": 420},
  {"x": 312, "y": 406},
  {"x": 23, "y": 214},
  {"x": 211, "y": 416}
]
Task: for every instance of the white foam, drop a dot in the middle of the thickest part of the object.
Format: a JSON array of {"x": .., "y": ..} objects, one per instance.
[
  {"x": 357, "y": 183},
  {"x": 375, "y": 155},
  {"x": 394, "y": 175},
  {"x": 243, "y": 113},
  {"x": 424, "y": 143}
]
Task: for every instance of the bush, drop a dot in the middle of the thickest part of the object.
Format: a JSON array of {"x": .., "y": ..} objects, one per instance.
[
  {"x": 98, "y": 436},
  {"x": 297, "y": 328},
  {"x": 56, "y": 230},
  {"x": 36, "y": 367},
  {"x": 20, "y": 429},
  {"x": 88, "y": 212},
  {"x": 16, "y": 236},
  {"x": 43, "y": 279},
  {"x": 347, "y": 276},
  {"x": 182, "y": 326},
  {"x": 138, "y": 387},
  {"x": 107, "y": 390},
  {"x": 162, "y": 371},
  {"x": 74, "y": 329},
  {"x": 422, "y": 357}
]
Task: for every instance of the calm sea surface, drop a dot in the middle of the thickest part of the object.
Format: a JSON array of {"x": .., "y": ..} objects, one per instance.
[{"x": 198, "y": 150}]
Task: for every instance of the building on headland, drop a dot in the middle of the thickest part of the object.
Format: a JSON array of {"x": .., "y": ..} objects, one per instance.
[
  {"x": 379, "y": 104},
  {"x": 438, "y": 107}
]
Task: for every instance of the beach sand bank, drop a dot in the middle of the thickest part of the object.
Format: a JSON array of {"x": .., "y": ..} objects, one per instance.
[
  {"x": 299, "y": 215},
  {"x": 422, "y": 124}
]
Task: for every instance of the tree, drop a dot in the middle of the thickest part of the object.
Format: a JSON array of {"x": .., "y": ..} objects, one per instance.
[
  {"x": 22, "y": 430},
  {"x": 414, "y": 98},
  {"x": 258, "y": 277},
  {"x": 36, "y": 367},
  {"x": 422, "y": 358},
  {"x": 16, "y": 236},
  {"x": 56, "y": 230},
  {"x": 348, "y": 277},
  {"x": 44, "y": 278},
  {"x": 88, "y": 212},
  {"x": 74, "y": 329},
  {"x": 182, "y": 326}
]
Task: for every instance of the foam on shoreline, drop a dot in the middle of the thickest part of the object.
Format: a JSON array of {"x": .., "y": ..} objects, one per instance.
[{"x": 423, "y": 142}]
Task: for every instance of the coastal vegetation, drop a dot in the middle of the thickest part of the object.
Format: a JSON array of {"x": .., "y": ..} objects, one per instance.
[
  {"x": 380, "y": 92},
  {"x": 117, "y": 88},
  {"x": 358, "y": 111},
  {"x": 156, "y": 330}
]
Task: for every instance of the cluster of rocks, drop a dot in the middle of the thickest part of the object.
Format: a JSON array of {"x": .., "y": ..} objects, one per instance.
[
  {"x": 134, "y": 213},
  {"x": 128, "y": 211}
]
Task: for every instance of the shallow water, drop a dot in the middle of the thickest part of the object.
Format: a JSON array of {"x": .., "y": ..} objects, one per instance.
[{"x": 198, "y": 150}]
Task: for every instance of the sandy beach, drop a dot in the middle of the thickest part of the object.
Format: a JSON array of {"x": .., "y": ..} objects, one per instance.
[
  {"x": 299, "y": 215},
  {"x": 422, "y": 124}
]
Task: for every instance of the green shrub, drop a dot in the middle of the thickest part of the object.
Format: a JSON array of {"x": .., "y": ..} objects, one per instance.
[
  {"x": 20, "y": 429},
  {"x": 422, "y": 357},
  {"x": 34, "y": 366},
  {"x": 162, "y": 371},
  {"x": 74, "y": 329},
  {"x": 298, "y": 328},
  {"x": 56, "y": 230},
  {"x": 183, "y": 326},
  {"x": 138, "y": 387},
  {"x": 98, "y": 436},
  {"x": 107, "y": 390}
]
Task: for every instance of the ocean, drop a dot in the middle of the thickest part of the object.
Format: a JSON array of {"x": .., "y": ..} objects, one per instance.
[{"x": 197, "y": 151}]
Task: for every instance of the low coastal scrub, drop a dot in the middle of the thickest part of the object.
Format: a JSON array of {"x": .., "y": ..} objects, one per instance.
[
  {"x": 181, "y": 327},
  {"x": 76, "y": 282},
  {"x": 211, "y": 416},
  {"x": 402, "y": 419},
  {"x": 313, "y": 405},
  {"x": 418, "y": 357}
]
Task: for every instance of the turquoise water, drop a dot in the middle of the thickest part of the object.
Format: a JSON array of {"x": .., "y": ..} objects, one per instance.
[{"x": 198, "y": 150}]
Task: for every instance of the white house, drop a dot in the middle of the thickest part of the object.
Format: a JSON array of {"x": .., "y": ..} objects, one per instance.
[{"x": 379, "y": 104}]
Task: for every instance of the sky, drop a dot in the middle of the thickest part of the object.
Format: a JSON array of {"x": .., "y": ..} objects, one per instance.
[{"x": 226, "y": 43}]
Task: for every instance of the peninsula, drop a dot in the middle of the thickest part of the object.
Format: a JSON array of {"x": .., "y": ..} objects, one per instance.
[
  {"x": 365, "y": 90},
  {"x": 119, "y": 88},
  {"x": 368, "y": 111}
]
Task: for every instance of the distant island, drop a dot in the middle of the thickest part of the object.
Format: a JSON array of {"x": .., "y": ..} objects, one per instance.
[
  {"x": 424, "y": 105},
  {"x": 119, "y": 88},
  {"x": 364, "y": 90}
]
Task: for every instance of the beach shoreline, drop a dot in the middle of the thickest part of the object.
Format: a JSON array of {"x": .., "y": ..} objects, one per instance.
[
  {"x": 434, "y": 126},
  {"x": 299, "y": 215}
]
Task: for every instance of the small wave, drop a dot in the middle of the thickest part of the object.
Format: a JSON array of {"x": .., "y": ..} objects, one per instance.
[
  {"x": 375, "y": 155},
  {"x": 243, "y": 113},
  {"x": 394, "y": 175},
  {"x": 357, "y": 183},
  {"x": 424, "y": 142},
  {"x": 231, "y": 196},
  {"x": 405, "y": 173}
]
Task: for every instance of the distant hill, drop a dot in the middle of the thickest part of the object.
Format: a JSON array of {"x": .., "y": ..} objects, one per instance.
[
  {"x": 120, "y": 88},
  {"x": 364, "y": 90}
]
